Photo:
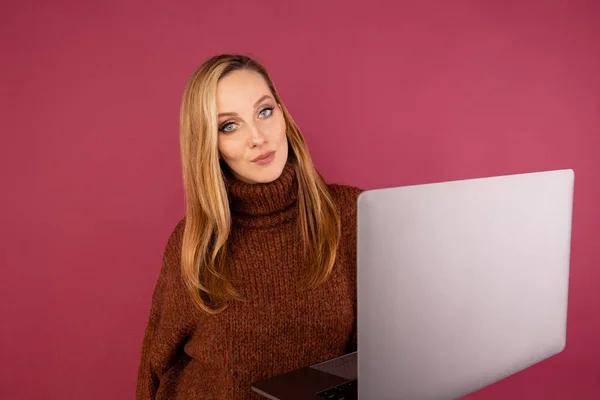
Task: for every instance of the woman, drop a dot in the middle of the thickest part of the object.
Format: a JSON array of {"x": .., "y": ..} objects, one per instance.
[{"x": 259, "y": 277}]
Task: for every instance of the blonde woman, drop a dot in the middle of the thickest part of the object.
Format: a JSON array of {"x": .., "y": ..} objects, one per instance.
[{"x": 259, "y": 278}]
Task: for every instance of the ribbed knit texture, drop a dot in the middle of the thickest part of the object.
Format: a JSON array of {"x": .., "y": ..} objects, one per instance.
[{"x": 187, "y": 354}]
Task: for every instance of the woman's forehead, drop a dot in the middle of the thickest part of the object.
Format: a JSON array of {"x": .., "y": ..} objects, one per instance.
[{"x": 240, "y": 90}]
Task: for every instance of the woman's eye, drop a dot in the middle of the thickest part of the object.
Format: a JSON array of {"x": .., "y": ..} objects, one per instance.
[
  {"x": 267, "y": 112},
  {"x": 227, "y": 127}
]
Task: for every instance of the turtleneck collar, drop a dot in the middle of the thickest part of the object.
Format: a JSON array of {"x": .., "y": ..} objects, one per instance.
[{"x": 264, "y": 204}]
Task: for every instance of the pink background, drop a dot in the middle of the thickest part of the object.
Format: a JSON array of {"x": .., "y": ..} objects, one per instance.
[{"x": 386, "y": 94}]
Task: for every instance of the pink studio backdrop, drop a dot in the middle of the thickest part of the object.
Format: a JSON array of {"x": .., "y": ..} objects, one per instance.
[{"x": 386, "y": 94}]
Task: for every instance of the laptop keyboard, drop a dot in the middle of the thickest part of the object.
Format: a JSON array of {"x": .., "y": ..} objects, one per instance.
[{"x": 345, "y": 391}]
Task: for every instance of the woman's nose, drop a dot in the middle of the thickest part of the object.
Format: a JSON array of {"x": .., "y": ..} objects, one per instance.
[{"x": 257, "y": 137}]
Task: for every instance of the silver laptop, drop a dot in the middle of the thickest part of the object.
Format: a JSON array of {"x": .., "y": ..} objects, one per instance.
[{"x": 460, "y": 284}]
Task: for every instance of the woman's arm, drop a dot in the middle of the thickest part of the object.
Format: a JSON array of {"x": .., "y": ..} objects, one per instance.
[
  {"x": 169, "y": 325},
  {"x": 347, "y": 200}
]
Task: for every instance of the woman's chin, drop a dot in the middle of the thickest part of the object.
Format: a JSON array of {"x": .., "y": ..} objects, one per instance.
[
  {"x": 268, "y": 175},
  {"x": 265, "y": 174}
]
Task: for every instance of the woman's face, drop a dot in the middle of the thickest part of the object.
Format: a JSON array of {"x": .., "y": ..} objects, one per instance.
[{"x": 252, "y": 131}]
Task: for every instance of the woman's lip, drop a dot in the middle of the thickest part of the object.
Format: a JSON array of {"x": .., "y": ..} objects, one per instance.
[
  {"x": 263, "y": 156},
  {"x": 266, "y": 159}
]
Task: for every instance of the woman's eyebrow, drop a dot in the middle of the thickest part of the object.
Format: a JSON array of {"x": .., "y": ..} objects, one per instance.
[{"x": 266, "y": 96}]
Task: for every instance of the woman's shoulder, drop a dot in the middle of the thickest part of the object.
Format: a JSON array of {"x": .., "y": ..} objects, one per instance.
[
  {"x": 345, "y": 196},
  {"x": 172, "y": 251},
  {"x": 177, "y": 231}
]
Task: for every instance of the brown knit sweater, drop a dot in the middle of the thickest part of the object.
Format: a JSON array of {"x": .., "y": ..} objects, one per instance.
[{"x": 187, "y": 354}]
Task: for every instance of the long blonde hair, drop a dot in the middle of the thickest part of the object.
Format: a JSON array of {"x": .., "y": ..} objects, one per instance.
[{"x": 208, "y": 218}]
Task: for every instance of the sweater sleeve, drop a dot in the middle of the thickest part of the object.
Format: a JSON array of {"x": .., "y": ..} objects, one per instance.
[
  {"x": 169, "y": 324},
  {"x": 347, "y": 198}
]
